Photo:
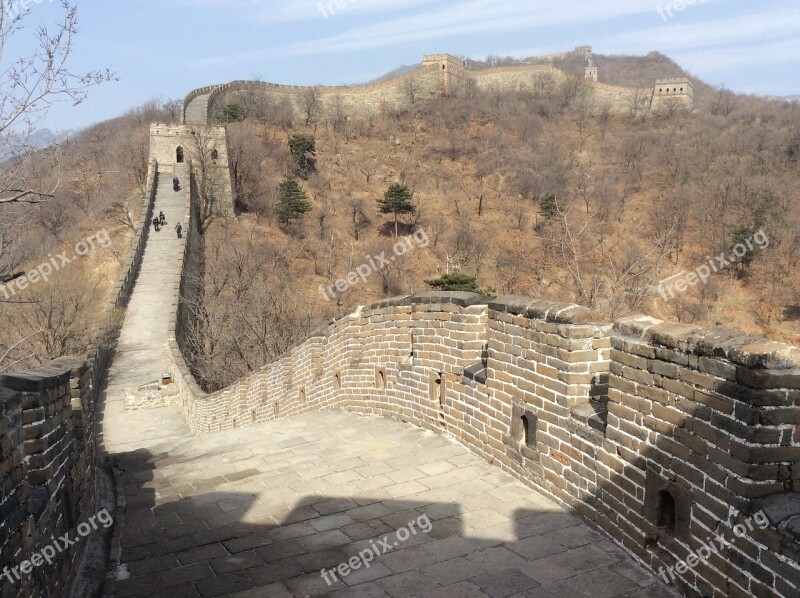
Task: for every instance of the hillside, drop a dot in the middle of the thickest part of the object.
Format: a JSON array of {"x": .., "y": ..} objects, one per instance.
[
  {"x": 636, "y": 201},
  {"x": 75, "y": 241}
]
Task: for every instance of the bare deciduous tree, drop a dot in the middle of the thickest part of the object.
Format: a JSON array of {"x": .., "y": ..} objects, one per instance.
[{"x": 29, "y": 84}]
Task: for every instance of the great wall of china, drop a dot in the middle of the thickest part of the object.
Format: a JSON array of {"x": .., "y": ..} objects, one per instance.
[{"x": 664, "y": 436}]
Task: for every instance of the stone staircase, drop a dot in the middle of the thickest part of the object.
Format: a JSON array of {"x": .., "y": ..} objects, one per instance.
[{"x": 141, "y": 351}]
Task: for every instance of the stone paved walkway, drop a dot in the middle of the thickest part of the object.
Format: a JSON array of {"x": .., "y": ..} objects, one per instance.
[{"x": 260, "y": 511}]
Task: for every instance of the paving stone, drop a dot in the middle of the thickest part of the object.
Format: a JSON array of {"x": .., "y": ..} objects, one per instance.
[
  {"x": 334, "y": 505},
  {"x": 407, "y": 584},
  {"x": 224, "y": 584},
  {"x": 367, "y": 512},
  {"x": 405, "y": 559},
  {"x": 137, "y": 586},
  {"x": 504, "y": 583},
  {"x": 187, "y": 574},
  {"x": 312, "y": 584},
  {"x": 293, "y": 530},
  {"x": 327, "y": 539},
  {"x": 652, "y": 591},
  {"x": 283, "y": 550},
  {"x": 366, "y": 529},
  {"x": 488, "y": 531},
  {"x": 540, "y": 523},
  {"x": 375, "y": 571},
  {"x": 152, "y": 565},
  {"x": 329, "y": 522},
  {"x": 273, "y": 590},
  {"x": 275, "y": 572},
  {"x": 452, "y": 571},
  {"x": 322, "y": 559},
  {"x": 203, "y": 553},
  {"x": 363, "y": 590},
  {"x": 604, "y": 583},
  {"x": 448, "y": 548},
  {"x": 567, "y": 564},
  {"x": 248, "y": 542},
  {"x": 496, "y": 558},
  {"x": 236, "y": 562},
  {"x": 537, "y": 547},
  {"x": 405, "y": 489},
  {"x": 462, "y": 589}
]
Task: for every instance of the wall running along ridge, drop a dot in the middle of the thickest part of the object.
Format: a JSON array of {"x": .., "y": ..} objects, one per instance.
[{"x": 438, "y": 73}]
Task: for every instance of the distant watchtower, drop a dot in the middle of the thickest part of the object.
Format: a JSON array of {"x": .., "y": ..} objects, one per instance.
[
  {"x": 447, "y": 65},
  {"x": 671, "y": 92},
  {"x": 591, "y": 69}
]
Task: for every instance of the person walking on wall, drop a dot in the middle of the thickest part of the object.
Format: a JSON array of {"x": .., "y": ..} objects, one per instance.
[
  {"x": 156, "y": 224},
  {"x": 179, "y": 230},
  {"x": 176, "y": 184},
  {"x": 161, "y": 218}
]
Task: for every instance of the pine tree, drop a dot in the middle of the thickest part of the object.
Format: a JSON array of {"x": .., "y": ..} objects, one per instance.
[
  {"x": 396, "y": 200},
  {"x": 303, "y": 148},
  {"x": 293, "y": 202},
  {"x": 550, "y": 205},
  {"x": 459, "y": 281}
]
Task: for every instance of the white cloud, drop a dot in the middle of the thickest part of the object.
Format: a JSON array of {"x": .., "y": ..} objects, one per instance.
[
  {"x": 472, "y": 17},
  {"x": 734, "y": 31},
  {"x": 271, "y": 11}
]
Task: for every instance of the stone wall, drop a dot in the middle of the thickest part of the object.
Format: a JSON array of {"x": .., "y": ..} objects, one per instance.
[
  {"x": 437, "y": 73},
  {"x": 356, "y": 101},
  {"x": 666, "y": 436},
  {"x": 47, "y": 462}
]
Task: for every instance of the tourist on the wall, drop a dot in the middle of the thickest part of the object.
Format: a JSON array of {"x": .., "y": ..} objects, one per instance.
[
  {"x": 161, "y": 218},
  {"x": 156, "y": 224},
  {"x": 179, "y": 230},
  {"x": 176, "y": 184}
]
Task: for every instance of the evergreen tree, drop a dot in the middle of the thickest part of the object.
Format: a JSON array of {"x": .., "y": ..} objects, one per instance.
[
  {"x": 303, "y": 148},
  {"x": 232, "y": 113},
  {"x": 396, "y": 200},
  {"x": 293, "y": 202},
  {"x": 550, "y": 206},
  {"x": 458, "y": 281}
]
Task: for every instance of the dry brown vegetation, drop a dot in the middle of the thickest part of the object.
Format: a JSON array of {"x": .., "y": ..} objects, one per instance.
[
  {"x": 98, "y": 179},
  {"x": 640, "y": 199}
]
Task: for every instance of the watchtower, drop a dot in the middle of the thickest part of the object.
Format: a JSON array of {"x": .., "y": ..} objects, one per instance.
[
  {"x": 447, "y": 65},
  {"x": 591, "y": 69},
  {"x": 677, "y": 90}
]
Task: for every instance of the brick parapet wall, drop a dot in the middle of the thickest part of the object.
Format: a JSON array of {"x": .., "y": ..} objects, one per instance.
[
  {"x": 707, "y": 417},
  {"x": 47, "y": 468}
]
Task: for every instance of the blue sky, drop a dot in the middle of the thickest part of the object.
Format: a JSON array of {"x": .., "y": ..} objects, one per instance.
[{"x": 165, "y": 48}]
